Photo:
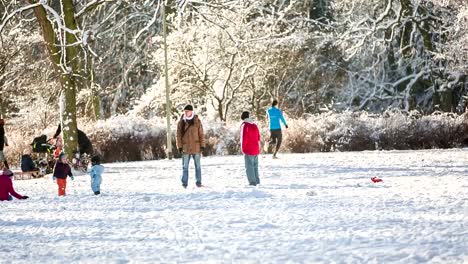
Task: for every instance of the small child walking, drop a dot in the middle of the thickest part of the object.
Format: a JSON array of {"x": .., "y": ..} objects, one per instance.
[
  {"x": 96, "y": 174},
  {"x": 61, "y": 171},
  {"x": 250, "y": 143}
]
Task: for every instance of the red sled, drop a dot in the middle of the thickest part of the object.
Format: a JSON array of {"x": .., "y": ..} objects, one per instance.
[{"x": 375, "y": 179}]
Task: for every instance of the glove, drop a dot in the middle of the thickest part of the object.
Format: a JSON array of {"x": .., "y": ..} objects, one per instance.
[
  {"x": 286, "y": 126},
  {"x": 72, "y": 178},
  {"x": 25, "y": 197},
  {"x": 54, "y": 178},
  {"x": 181, "y": 150}
]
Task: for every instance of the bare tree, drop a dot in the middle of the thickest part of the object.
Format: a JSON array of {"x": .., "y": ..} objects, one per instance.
[
  {"x": 68, "y": 48},
  {"x": 393, "y": 50}
]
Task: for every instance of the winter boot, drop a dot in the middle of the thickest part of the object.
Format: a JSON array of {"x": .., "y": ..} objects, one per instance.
[{"x": 97, "y": 192}]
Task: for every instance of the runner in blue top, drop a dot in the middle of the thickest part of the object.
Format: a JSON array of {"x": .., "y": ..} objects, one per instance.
[{"x": 274, "y": 116}]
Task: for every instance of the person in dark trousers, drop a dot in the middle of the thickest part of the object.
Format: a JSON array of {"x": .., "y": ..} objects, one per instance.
[
  {"x": 190, "y": 142},
  {"x": 3, "y": 143},
  {"x": 61, "y": 171},
  {"x": 96, "y": 174},
  {"x": 84, "y": 144},
  {"x": 250, "y": 143},
  {"x": 275, "y": 116},
  {"x": 27, "y": 163},
  {"x": 7, "y": 192}
]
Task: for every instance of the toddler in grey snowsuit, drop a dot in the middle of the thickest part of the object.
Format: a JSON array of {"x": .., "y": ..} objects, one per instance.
[{"x": 96, "y": 174}]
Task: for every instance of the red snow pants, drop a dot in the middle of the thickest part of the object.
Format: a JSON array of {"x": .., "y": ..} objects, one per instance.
[{"x": 62, "y": 184}]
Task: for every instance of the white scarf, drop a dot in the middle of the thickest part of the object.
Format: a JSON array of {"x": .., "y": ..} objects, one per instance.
[{"x": 189, "y": 118}]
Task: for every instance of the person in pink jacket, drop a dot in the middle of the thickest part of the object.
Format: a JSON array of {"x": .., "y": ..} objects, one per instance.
[
  {"x": 6, "y": 187},
  {"x": 250, "y": 143}
]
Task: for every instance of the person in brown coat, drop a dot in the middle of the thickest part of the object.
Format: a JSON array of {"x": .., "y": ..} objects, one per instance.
[{"x": 190, "y": 142}]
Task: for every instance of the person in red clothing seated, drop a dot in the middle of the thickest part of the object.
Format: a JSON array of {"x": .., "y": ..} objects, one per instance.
[
  {"x": 250, "y": 142},
  {"x": 61, "y": 171},
  {"x": 6, "y": 187}
]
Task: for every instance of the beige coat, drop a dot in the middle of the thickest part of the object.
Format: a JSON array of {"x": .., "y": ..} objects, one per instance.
[{"x": 193, "y": 138}]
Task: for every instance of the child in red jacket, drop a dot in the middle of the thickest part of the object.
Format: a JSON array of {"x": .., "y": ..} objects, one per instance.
[
  {"x": 61, "y": 171},
  {"x": 6, "y": 187},
  {"x": 250, "y": 142}
]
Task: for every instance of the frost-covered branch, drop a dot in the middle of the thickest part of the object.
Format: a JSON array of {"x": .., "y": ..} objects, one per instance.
[
  {"x": 91, "y": 5},
  {"x": 15, "y": 12}
]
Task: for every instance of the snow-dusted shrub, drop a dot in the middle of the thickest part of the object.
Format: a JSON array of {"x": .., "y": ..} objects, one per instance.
[
  {"x": 349, "y": 131},
  {"x": 414, "y": 131},
  {"x": 17, "y": 144},
  {"x": 21, "y": 132},
  {"x": 396, "y": 131},
  {"x": 356, "y": 131},
  {"x": 302, "y": 136},
  {"x": 130, "y": 138},
  {"x": 222, "y": 139},
  {"x": 124, "y": 138},
  {"x": 442, "y": 130}
]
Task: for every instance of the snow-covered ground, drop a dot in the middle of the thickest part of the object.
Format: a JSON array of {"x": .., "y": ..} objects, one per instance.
[{"x": 309, "y": 208}]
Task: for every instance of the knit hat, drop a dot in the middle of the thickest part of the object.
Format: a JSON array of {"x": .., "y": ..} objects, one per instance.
[
  {"x": 188, "y": 107},
  {"x": 61, "y": 155},
  {"x": 245, "y": 115},
  {"x": 96, "y": 160},
  {"x": 7, "y": 172}
]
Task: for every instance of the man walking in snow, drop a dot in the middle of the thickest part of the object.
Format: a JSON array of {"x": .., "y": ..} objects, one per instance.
[
  {"x": 190, "y": 142},
  {"x": 250, "y": 143},
  {"x": 274, "y": 116}
]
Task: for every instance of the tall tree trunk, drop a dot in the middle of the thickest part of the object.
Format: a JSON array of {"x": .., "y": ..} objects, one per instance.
[
  {"x": 69, "y": 125},
  {"x": 65, "y": 69},
  {"x": 96, "y": 104},
  {"x": 1, "y": 105},
  {"x": 93, "y": 105},
  {"x": 220, "y": 109},
  {"x": 405, "y": 44}
]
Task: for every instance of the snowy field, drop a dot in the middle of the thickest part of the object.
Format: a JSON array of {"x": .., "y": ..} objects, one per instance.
[{"x": 309, "y": 208}]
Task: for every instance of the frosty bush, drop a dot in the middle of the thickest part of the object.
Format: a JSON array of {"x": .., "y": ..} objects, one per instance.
[
  {"x": 302, "y": 136},
  {"x": 124, "y": 138},
  {"x": 357, "y": 131},
  {"x": 222, "y": 140},
  {"x": 130, "y": 138},
  {"x": 414, "y": 131}
]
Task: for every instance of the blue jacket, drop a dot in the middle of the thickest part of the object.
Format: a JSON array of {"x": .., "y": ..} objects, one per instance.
[
  {"x": 274, "y": 116},
  {"x": 96, "y": 176}
]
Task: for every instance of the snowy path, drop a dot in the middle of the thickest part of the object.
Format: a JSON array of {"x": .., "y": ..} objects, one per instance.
[{"x": 309, "y": 208}]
